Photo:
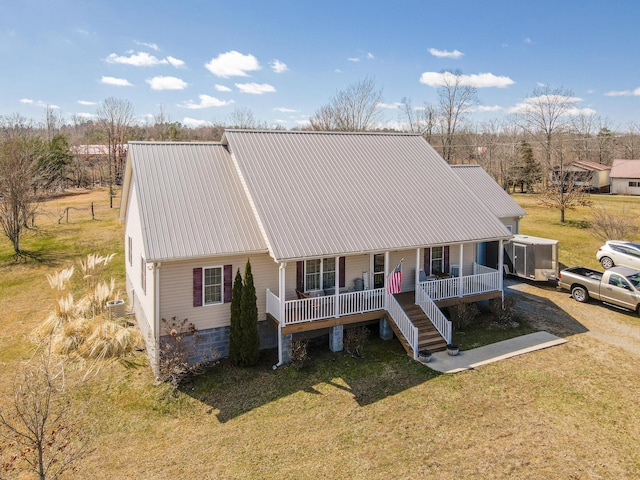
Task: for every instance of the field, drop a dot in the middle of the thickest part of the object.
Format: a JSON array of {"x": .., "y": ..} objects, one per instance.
[{"x": 566, "y": 412}]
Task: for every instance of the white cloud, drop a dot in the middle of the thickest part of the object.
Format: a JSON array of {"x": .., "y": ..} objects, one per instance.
[
  {"x": 87, "y": 103},
  {"x": 143, "y": 59},
  {"x": 285, "y": 110},
  {"x": 353, "y": 59},
  {"x": 222, "y": 88},
  {"x": 206, "y": 101},
  {"x": 152, "y": 46},
  {"x": 278, "y": 66},
  {"x": 624, "y": 93},
  {"x": 255, "y": 88},
  {"x": 175, "y": 62},
  {"x": 528, "y": 40},
  {"x": 118, "y": 82},
  {"x": 140, "y": 59},
  {"x": 39, "y": 103},
  {"x": 337, "y": 70},
  {"x": 389, "y": 106},
  {"x": 195, "y": 123},
  {"x": 370, "y": 56},
  {"x": 528, "y": 102},
  {"x": 445, "y": 53},
  {"x": 86, "y": 115},
  {"x": 167, "y": 83},
  {"x": 233, "y": 64},
  {"x": 488, "y": 108},
  {"x": 478, "y": 80}
]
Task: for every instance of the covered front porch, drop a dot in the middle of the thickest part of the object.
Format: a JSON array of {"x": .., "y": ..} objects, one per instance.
[{"x": 336, "y": 306}]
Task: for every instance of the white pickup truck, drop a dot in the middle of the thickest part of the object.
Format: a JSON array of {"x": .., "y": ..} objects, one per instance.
[{"x": 618, "y": 286}]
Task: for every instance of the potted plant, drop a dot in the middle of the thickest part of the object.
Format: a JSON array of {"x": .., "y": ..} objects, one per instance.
[
  {"x": 453, "y": 349},
  {"x": 424, "y": 356}
]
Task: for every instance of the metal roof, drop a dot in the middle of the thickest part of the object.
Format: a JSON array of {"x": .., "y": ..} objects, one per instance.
[
  {"x": 625, "y": 169},
  {"x": 488, "y": 191},
  {"x": 191, "y": 201},
  {"x": 332, "y": 193}
]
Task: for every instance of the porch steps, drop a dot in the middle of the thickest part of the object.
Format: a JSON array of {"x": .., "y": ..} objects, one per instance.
[{"x": 428, "y": 337}]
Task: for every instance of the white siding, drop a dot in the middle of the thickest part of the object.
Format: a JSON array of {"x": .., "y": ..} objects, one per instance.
[
  {"x": 176, "y": 288},
  {"x": 621, "y": 186},
  {"x": 141, "y": 302}
]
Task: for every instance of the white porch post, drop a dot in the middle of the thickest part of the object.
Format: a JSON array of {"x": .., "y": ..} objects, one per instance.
[
  {"x": 336, "y": 293},
  {"x": 281, "y": 296},
  {"x": 460, "y": 260},
  {"x": 386, "y": 274},
  {"x": 501, "y": 268},
  {"x": 417, "y": 280}
]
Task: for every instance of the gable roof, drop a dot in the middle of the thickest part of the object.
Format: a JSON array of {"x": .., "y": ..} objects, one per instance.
[
  {"x": 492, "y": 195},
  {"x": 625, "y": 169},
  {"x": 589, "y": 166},
  {"x": 191, "y": 201},
  {"x": 332, "y": 193}
]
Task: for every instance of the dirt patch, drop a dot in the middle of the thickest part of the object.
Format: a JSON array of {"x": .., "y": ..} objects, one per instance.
[{"x": 555, "y": 311}]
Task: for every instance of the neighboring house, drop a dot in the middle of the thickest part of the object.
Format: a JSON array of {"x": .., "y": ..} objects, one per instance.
[
  {"x": 591, "y": 176},
  {"x": 498, "y": 201},
  {"x": 625, "y": 177},
  {"x": 324, "y": 218}
]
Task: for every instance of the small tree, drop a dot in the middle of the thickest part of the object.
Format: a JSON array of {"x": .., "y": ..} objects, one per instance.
[
  {"x": 235, "y": 329},
  {"x": 609, "y": 226},
  {"x": 42, "y": 432},
  {"x": 564, "y": 195},
  {"x": 249, "y": 323}
]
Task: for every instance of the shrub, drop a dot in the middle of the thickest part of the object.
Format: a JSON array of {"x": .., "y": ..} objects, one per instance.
[
  {"x": 463, "y": 315},
  {"x": 504, "y": 315},
  {"x": 299, "y": 353},
  {"x": 355, "y": 340}
]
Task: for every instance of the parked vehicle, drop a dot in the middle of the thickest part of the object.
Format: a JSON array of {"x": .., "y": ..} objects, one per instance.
[
  {"x": 618, "y": 285},
  {"x": 530, "y": 257},
  {"x": 617, "y": 252}
]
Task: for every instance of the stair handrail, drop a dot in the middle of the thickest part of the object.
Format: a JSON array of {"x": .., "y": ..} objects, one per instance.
[
  {"x": 404, "y": 323},
  {"x": 435, "y": 315}
]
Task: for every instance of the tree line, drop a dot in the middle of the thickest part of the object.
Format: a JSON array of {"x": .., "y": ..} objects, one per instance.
[{"x": 518, "y": 151}]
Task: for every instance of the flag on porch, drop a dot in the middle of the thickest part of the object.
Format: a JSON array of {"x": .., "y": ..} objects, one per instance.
[{"x": 394, "y": 281}]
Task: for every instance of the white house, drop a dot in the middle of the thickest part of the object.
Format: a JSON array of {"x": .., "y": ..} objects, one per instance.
[
  {"x": 324, "y": 218},
  {"x": 591, "y": 176},
  {"x": 625, "y": 177}
]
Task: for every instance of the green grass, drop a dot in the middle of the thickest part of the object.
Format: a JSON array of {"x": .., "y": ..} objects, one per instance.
[{"x": 563, "y": 412}]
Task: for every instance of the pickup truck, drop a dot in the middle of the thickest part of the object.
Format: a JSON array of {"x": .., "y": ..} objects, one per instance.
[{"x": 618, "y": 286}]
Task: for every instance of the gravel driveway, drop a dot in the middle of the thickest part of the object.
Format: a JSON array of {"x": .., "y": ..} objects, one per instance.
[{"x": 556, "y": 312}]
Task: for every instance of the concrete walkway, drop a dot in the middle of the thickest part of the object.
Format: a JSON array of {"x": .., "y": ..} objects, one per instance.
[{"x": 468, "y": 359}]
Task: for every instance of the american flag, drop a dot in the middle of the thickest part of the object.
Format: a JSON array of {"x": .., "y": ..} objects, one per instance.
[{"x": 394, "y": 281}]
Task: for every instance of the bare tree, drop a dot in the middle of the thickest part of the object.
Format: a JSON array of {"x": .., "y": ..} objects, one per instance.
[
  {"x": 630, "y": 141},
  {"x": 606, "y": 225},
  {"x": 455, "y": 99},
  {"x": 243, "y": 117},
  {"x": 41, "y": 431},
  {"x": 354, "y": 109},
  {"x": 116, "y": 116},
  {"x": 564, "y": 193},
  {"x": 545, "y": 116},
  {"x": 419, "y": 119},
  {"x": 18, "y": 186}
]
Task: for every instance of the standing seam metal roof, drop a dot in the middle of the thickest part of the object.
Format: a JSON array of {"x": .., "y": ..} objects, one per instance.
[
  {"x": 329, "y": 193},
  {"x": 488, "y": 191},
  {"x": 191, "y": 201}
]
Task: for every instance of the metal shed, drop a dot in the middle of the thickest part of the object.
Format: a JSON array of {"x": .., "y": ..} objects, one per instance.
[{"x": 529, "y": 257}]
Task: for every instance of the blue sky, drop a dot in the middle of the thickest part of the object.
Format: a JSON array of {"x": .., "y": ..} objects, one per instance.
[{"x": 283, "y": 59}]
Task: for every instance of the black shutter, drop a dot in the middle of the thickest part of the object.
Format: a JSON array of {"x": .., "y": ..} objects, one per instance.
[
  {"x": 427, "y": 261},
  {"x": 300, "y": 276},
  {"x": 228, "y": 283},
  {"x": 341, "y": 266},
  {"x": 446, "y": 259},
  {"x": 197, "y": 287}
]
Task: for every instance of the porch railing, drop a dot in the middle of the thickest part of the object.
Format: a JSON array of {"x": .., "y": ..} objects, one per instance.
[
  {"x": 483, "y": 280},
  {"x": 435, "y": 315},
  {"x": 318, "y": 308}
]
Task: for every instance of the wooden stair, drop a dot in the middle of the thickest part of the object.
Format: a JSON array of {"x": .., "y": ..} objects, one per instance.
[{"x": 428, "y": 337}]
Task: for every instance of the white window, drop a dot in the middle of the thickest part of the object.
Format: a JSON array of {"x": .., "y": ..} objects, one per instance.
[
  {"x": 378, "y": 270},
  {"x": 319, "y": 274},
  {"x": 212, "y": 285},
  {"x": 437, "y": 260},
  {"x": 633, "y": 184},
  {"x": 143, "y": 274}
]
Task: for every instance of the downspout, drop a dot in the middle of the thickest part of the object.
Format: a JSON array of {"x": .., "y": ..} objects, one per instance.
[
  {"x": 501, "y": 268},
  {"x": 281, "y": 278},
  {"x": 156, "y": 312}
]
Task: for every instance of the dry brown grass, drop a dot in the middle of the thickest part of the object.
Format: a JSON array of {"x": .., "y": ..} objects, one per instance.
[{"x": 565, "y": 412}]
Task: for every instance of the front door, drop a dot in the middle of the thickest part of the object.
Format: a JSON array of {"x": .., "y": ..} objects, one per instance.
[{"x": 378, "y": 270}]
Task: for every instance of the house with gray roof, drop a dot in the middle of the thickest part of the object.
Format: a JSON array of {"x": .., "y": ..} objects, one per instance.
[
  {"x": 625, "y": 177},
  {"x": 328, "y": 220}
]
